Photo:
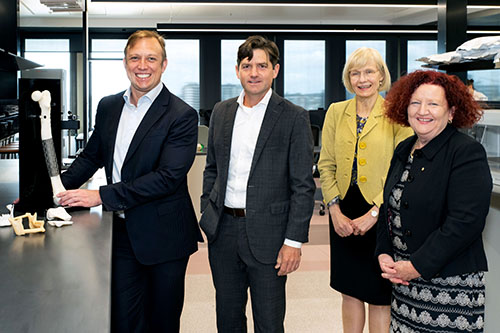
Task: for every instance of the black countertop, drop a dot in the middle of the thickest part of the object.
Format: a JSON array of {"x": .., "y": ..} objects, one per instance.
[{"x": 57, "y": 281}]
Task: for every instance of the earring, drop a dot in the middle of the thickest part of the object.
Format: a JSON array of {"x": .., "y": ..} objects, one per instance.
[{"x": 380, "y": 84}]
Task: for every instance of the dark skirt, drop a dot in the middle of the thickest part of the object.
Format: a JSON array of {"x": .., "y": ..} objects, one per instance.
[{"x": 354, "y": 269}]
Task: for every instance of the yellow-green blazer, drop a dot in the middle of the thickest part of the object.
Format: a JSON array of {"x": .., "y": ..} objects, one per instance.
[{"x": 376, "y": 145}]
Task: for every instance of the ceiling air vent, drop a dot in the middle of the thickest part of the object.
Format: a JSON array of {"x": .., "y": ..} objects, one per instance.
[{"x": 64, "y": 5}]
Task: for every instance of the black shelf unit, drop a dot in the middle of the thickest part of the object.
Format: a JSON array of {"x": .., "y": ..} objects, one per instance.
[{"x": 465, "y": 66}]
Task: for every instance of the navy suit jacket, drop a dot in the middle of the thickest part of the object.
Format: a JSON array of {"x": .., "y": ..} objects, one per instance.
[
  {"x": 153, "y": 192},
  {"x": 280, "y": 189},
  {"x": 443, "y": 206}
]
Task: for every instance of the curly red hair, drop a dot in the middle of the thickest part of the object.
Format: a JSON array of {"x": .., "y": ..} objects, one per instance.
[{"x": 467, "y": 110}]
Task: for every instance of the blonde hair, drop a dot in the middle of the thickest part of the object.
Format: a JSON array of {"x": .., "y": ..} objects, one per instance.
[
  {"x": 360, "y": 58},
  {"x": 139, "y": 34}
]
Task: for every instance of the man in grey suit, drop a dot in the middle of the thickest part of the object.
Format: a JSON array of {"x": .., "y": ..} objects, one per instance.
[{"x": 258, "y": 193}]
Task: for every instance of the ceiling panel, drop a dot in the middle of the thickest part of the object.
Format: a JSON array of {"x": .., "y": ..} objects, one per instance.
[{"x": 147, "y": 15}]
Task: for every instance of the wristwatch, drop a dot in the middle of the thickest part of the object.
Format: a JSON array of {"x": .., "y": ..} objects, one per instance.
[
  {"x": 374, "y": 213},
  {"x": 333, "y": 201}
]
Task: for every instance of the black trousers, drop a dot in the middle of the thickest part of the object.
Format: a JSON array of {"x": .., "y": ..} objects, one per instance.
[
  {"x": 234, "y": 270},
  {"x": 144, "y": 298}
]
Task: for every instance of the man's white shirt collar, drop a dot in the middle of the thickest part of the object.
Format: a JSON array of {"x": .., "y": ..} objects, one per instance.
[
  {"x": 264, "y": 101},
  {"x": 151, "y": 95}
]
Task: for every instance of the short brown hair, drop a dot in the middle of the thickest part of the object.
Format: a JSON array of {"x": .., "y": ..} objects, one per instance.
[
  {"x": 139, "y": 34},
  {"x": 467, "y": 111},
  {"x": 258, "y": 42}
]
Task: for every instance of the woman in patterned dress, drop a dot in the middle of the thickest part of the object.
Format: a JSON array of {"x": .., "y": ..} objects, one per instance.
[
  {"x": 436, "y": 199},
  {"x": 357, "y": 146}
]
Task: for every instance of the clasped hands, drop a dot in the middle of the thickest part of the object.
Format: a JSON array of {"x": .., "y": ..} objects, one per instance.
[
  {"x": 344, "y": 226},
  {"x": 397, "y": 271}
]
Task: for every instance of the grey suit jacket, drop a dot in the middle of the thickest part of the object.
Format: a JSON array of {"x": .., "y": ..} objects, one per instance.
[{"x": 280, "y": 189}]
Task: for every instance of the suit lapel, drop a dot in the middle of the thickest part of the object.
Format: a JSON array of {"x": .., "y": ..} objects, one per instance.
[
  {"x": 350, "y": 112},
  {"x": 273, "y": 112},
  {"x": 156, "y": 110},
  {"x": 400, "y": 155},
  {"x": 228, "y": 125},
  {"x": 374, "y": 117},
  {"x": 114, "y": 120}
]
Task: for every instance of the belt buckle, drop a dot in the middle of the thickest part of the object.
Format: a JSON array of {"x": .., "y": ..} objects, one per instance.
[{"x": 239, "y": 212}]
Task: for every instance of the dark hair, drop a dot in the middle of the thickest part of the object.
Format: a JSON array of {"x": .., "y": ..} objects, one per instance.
[
  {"x": 467, "y": 111},
  {"x": 139, "y": 34},
  {"x": 258, "y": 42}
]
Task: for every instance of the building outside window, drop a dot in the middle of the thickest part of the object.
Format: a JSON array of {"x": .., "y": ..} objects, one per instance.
[
  {"x": 230, "y": 84},
  {"x": 182, "y": 76},
  {"x": 108, "y": 76},
  {"x": 304, "y": 73}
]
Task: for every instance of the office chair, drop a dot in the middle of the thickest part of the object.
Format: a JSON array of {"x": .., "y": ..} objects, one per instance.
[{"x": 318, "y": 196}]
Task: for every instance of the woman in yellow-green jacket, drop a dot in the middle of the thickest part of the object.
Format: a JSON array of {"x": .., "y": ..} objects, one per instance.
[{"x": 357, "y": 146}]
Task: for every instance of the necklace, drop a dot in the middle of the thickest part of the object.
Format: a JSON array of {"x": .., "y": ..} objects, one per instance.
[{"x": 415, "y": 147}]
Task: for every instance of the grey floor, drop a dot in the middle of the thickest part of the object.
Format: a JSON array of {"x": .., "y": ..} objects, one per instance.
[{"x": 312, "y": 306}]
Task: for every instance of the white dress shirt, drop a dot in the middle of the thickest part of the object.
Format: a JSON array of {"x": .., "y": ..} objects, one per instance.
[
  {"x": 130, "y": 119},
  {"x": 246, "y": 128}
]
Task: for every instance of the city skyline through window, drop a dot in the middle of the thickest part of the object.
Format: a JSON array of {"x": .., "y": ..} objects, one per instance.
[
  {"x": 304, "y": 73},
  {"x": 230, "y": 84},
  {"x": 182, "y": 75}
]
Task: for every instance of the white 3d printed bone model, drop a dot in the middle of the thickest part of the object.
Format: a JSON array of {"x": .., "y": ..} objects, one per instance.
[{"x": 43, "y": 99}]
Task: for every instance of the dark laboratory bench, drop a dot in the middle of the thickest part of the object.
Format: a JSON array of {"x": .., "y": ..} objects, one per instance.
[{"x": 57, "y": 281}]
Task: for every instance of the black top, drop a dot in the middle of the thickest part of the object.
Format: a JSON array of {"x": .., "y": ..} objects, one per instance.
[{"x": 444, "y": 205}]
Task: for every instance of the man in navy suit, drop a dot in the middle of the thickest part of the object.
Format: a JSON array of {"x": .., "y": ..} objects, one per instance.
[
  {"x": 145, "y": 138},
  {"x": 258, "y": 193}
]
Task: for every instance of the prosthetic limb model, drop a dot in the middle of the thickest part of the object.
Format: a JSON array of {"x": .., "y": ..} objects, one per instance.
[
  {"x": 57, "y": 217},
  {"x": 43, "y": 99},
  {"x": 35, "y": 226}
]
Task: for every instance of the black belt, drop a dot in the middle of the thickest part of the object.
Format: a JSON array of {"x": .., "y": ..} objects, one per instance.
[{"x": 234, "y": 212}]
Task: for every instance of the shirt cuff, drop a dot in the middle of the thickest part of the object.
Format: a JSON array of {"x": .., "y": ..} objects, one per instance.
[{"x": 293, "y": 243}]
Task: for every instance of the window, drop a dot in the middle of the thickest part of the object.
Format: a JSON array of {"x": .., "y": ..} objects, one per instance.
[
  {"x": 182, "y": 76},
  {"x": 230, "y": 84},
  {"x": 304, "y": 73},
  {"x": 418, "y": 49},
  {"x": 51, "y": 53},
  {"x": 487, "y": 82},
  {"x": 108, "y": 76},
  {"x": 353, "y": 45}
]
